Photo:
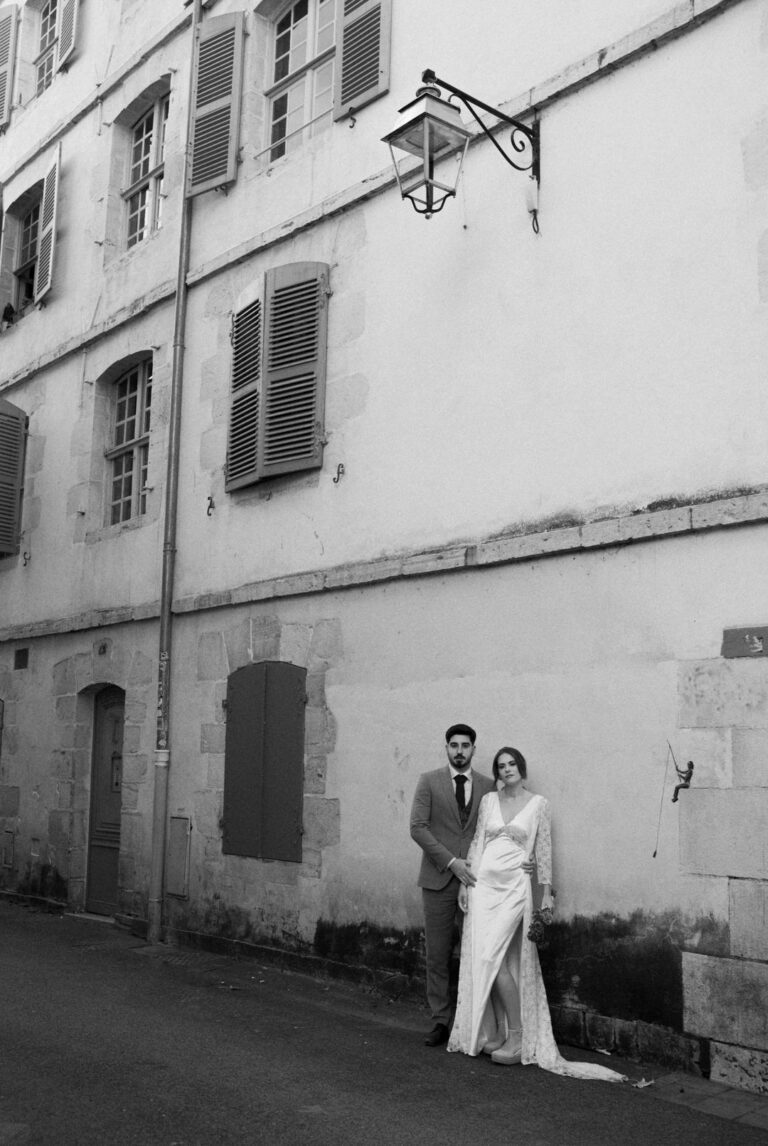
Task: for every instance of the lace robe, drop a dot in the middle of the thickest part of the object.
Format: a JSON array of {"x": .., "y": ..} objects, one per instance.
[{"x": 496, "y": 927}]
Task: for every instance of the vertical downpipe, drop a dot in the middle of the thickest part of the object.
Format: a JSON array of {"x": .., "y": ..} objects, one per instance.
[{"x": 162, "y": 759}]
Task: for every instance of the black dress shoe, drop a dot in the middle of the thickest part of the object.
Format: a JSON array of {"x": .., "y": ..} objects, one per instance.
[{"x": 437, "y": 1036}]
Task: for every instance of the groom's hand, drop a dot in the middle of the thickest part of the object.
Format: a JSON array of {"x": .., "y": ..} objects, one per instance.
[{"x": 463, "y": 871}]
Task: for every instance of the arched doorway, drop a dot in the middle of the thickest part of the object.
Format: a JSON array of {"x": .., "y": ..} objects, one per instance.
[{"x": 106, "y": 801}]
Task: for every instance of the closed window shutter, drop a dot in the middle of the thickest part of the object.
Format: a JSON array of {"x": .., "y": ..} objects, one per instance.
[
  {"x": 264, "y": 761},
  {"x": 67, "y": 32},
  {"x": 362, "y": 73},
  {"x": 7, "y": 60},
  {"x": 13, "y": 436},
  {"x": 282, "y": 793},
  {"x": 293, "y": 396},
  {"x": 216, "y": 103},
  {"x": 47, "y": 244},
  {"x": 243, "y": 452}
]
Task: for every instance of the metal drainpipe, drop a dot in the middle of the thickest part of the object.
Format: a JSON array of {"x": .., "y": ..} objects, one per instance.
[{"x": 164, "y": 662}]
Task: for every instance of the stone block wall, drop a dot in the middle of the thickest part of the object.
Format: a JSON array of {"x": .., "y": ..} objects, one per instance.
[
  {"x": 238, "y": 897},
  {"x": 723, "y": 829}
]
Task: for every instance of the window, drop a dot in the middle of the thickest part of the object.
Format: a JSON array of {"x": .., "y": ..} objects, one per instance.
[
  {"x": 329, "y": 58},
  {"x": 28, "y": 251},
  {"x": 29, "y": 234},
  {"x": 264, "y": 761},
  {"x": 47, "y": 58},
  {"x": 302, "y": 73},
  {"x": 56, "y": 42},
  {"x": 128, "y": 454},
  {"x": 13, "y": 438},
  {"x": 144, "y": 195},
  {"x": 279, "y": 342}
]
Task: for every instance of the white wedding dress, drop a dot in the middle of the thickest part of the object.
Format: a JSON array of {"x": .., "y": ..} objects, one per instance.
[{"x": 496, "y": 927}]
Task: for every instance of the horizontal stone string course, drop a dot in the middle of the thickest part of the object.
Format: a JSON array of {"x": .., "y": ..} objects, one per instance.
[{"x": 531, "y": 545}]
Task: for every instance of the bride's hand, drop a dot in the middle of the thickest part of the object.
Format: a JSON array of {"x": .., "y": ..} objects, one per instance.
[
  {"x": 548, "y": 901},
  {"x": 463, "y": 898}
]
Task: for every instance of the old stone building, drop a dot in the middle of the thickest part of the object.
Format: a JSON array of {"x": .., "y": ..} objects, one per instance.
[{"x": 292, "y": 477}]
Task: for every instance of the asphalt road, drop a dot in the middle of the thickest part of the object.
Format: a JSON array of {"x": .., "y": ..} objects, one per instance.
[{"x": 105, "y": 1041}]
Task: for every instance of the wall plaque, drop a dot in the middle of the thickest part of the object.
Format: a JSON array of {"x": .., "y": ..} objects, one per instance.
[{"x": 748, "y": 642}]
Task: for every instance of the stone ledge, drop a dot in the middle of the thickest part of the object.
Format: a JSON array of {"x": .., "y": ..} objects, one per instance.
[
  {"x": 526, "y": 545},
  {"x": 538, "y": 541}
]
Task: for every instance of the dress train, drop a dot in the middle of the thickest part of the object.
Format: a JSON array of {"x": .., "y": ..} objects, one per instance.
[{"x": 496, "y": 928}]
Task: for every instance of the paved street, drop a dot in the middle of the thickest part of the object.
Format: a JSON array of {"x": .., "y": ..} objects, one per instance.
[{"x": 106, "y": 1040}]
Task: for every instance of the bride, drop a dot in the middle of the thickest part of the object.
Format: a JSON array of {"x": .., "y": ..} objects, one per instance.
[{"x": 502, "y": 1005}]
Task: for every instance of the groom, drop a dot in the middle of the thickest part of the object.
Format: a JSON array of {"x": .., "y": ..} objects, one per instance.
[{"x": 443, "y": 820}]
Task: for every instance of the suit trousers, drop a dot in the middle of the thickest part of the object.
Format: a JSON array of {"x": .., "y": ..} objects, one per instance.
[{"x": 441, "y": 918}]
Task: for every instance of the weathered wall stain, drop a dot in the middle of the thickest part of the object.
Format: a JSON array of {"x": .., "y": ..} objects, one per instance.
[
  {"x": 368, "y": 945},
  {"x": 628, "y": 967},
  {"x": 44, "y": 881}
]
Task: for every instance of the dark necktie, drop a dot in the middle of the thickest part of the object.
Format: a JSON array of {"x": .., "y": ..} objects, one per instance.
[{"x": 460, "y": 797}]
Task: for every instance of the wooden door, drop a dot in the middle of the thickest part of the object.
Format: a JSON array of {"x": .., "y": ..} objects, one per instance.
[{"x": 106, "y": 788}]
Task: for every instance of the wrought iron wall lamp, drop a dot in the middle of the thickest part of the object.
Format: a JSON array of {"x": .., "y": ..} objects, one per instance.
[{"x": 430, "y": 127}]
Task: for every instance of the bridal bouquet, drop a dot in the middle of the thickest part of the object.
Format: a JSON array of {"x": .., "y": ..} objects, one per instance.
[{"x": 540, "y": 924}]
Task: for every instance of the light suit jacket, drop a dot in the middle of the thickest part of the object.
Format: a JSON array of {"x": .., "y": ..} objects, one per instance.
[{"x": 436, "y": 823}]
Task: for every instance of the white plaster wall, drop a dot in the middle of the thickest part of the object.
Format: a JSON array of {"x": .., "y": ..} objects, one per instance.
[
  {"x": 76, "y": 562},
  {"x": 495, "y": 56},
  {"x": 573, "y": 660},
  {"x": 481, "y": 376}
]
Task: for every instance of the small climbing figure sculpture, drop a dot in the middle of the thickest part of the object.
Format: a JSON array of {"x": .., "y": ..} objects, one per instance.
[{"x": 684, "y": 778}]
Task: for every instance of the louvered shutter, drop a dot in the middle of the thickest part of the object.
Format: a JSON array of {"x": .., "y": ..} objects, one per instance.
[
  {"x": 7, "y": 60},
  {"x": 264, "y": 761},
  {"x": 47, "y": 242},
  {"x": 67, "y": 32},
  {"x": 362, "y": 70},
  {"x": 13, "y": 435},
  {"x": 293, "y": 393},
  {"x": 216, "y": 103},
  {"x": 243, "y": 452}
]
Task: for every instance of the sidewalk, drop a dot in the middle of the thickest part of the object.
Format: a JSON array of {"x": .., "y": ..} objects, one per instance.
[
  {"x": 111, "y": 1041},
  {"x": 678, "y": 1087}
]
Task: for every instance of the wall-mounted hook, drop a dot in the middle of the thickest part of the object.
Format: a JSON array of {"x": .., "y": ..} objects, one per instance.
[
  {"x": 27, "y": 558},
  {"x": 352, "y": 119},
  {"x": 339, "y": 472},
  {"x": 211, "y": 507}
]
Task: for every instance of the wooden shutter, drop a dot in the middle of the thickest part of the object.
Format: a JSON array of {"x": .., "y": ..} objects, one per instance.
[
  {"x": 67, "y": 32},
  {"x": 216, "y": 103},
  {"x": 264, "y": 761},
  {"x": 362, "y": 70},
  {"x": 47, "y": 241},
  {"x": 13, "y": 436},
  {"x": 7, "y": 60},
  {"x": 243, "y": 451},
  {"x": 293, "y": 393}
]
